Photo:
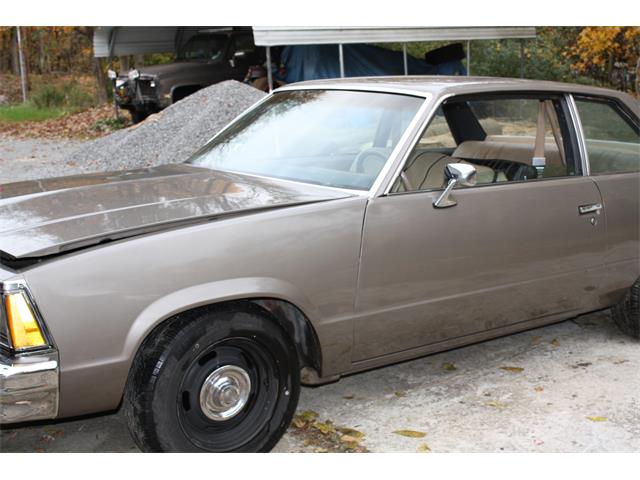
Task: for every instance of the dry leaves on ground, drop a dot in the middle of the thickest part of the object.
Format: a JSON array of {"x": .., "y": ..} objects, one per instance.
[
  {"x": 423, "y": 448},
  {"x": 512, "y": 369},
  {"x": 410, "y": 433},
  {"x": 598, "y": 419},
  {"x": 88, "y": 124},
  {"x": 449, "y": 367},
  {"x": 324, "y": 436}
]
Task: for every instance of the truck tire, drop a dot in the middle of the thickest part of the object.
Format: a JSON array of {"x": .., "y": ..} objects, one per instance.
[
  {"x": 627, "y": 313},
  {"x": 219, "y": 380},
  {"x": 138, "y": 116}
]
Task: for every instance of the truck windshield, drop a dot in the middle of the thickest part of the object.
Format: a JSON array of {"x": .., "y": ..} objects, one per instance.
[
  {"x": 328, "y": 137},
  {"x": 203, "y": 47}
]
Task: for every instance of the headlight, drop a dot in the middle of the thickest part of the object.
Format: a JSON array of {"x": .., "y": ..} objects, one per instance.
[
  {"x": 112, "y": 74},
  {"x": 133, "y": 74},
  {"x": 23, "y": 329}
]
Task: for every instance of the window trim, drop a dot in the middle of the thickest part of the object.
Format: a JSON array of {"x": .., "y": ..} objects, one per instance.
[
  {"x": 620, "y": 108},
  {"x": 573, "y": 140}
]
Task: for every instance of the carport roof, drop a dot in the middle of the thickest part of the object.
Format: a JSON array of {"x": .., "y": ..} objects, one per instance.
[
  {"x": 116, "y": 41},
  {"x": 272, "y": 36}
]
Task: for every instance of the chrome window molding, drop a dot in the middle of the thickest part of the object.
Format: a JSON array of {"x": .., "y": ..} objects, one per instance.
[
  {"x": 356, "y": 88},
  {"x": 400, "y": 151},
  {"x": 426, "y": 114},
  {"x": 20, "y": 286},
  {"x": 577, "y": 125}
]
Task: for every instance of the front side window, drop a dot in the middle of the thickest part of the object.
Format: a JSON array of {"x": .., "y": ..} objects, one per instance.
[
  {"x": 506, "y": 139},
  {"x": 613, "y": 141},
  {"x": 204, "y": 47},
  {"x": 334, "y": 138}
]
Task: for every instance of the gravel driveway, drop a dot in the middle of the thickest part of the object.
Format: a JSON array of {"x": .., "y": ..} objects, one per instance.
[{"x": 569, "y": 387}]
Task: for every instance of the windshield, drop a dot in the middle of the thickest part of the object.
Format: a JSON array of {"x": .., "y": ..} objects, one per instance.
[
  {"x": 203, "y": 47},
  {"x": 334, "y": 138}
]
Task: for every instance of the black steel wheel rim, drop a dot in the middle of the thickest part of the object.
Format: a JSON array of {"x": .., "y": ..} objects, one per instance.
[{"x": 231, "y": 434}]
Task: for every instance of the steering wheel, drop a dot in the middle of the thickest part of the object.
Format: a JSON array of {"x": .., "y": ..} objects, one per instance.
[{"x": 374, "y": 153}]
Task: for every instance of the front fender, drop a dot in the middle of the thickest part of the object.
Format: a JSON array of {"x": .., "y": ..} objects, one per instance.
[{"x": 207, "y": 294}]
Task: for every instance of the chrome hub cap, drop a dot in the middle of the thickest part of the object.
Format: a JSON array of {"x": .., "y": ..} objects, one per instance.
[{"x": 225, "y": 392}]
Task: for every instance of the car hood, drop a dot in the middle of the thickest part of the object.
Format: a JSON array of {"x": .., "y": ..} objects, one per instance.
[
  {"x": 47, "y": 217},
  {"x": 162, "y": 70}
]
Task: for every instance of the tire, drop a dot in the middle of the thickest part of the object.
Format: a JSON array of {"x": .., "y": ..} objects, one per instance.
[
  {"x": 627, "y": 313},
  {"x": 172, "y": 403},
  {"x": 138, "y": 116}
]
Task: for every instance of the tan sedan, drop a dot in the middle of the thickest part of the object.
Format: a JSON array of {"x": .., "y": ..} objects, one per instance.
[{"x": 335, "y": 227}]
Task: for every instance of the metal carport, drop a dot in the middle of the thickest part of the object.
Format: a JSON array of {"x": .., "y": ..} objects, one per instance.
[
  {"x": 279, "y": 36},
  {"x": 118, "y": 41}
]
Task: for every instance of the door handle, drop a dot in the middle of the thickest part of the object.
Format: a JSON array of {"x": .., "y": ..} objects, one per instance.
[{"x": 590, "y": 208}]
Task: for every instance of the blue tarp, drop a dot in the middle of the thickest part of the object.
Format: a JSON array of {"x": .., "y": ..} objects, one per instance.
[{"x": 313, "y": 62}]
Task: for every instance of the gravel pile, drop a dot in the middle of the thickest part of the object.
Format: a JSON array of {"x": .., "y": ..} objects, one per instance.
[{"x": 170, "y": 136}]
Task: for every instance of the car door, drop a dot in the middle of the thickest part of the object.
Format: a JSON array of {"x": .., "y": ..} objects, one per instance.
[
  {"x": 612, "y": 140},
  {"x": 513, "y": 249}
]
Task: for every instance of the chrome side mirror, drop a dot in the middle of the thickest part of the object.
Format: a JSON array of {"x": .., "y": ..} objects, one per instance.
[{"x": 455, "y": 174}]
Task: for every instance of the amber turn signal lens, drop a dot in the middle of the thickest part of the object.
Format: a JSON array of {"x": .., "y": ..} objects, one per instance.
[{"x": 24, "y": 328}]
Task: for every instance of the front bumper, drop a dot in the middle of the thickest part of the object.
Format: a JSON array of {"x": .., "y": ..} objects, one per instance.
[{"x": 29, "y": 387}]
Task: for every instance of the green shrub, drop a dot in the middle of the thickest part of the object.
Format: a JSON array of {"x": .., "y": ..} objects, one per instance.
[
  {"x": 48, "y": 96},
  {"x": 70, "y": 97}
]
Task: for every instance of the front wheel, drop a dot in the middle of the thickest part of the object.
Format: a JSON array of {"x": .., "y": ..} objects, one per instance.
[{"x": 222, "y": 380}]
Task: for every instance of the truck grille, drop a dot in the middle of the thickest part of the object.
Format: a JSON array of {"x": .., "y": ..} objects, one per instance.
[{"x": 146, "y": 90}]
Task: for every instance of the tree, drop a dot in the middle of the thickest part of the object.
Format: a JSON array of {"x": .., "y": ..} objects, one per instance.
[{"x": 608, "y": 54}]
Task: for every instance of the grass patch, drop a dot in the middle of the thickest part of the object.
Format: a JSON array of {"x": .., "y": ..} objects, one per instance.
[{"x": 28, "y": 112}]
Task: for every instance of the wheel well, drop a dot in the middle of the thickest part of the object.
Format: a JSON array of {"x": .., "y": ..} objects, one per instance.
[
  {"x": 178, "y": 93},
  {"x": 294, "y": 322}
]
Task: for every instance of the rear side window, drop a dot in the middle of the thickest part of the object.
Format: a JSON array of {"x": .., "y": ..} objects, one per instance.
[{"x": 613, "y": 141}]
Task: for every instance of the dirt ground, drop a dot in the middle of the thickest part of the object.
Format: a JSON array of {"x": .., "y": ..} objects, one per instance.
[{"x": 569, "y": 387}]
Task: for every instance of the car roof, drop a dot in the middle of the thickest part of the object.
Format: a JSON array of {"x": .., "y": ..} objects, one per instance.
[{"x": 439, "y": 85}]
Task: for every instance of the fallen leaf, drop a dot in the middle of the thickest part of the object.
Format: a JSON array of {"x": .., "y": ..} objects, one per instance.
[
  {"x": 409, "y": 433},
  {"x": 325, "y": 427},
  {"x": 535, "y": 340},
  {"x": 555, "y": 342},
  {"x": 581, "y": 364},
  {"x": 321, "y": 450},
  {"x": 303, "y": 419},
  {"x": 349, "y": 397},
  {"x": 348, "y": 439},
  {"x": 539, "y": 389},
  {"x": 512, "y": 369},
  {"x": 423, "y": 448},
  {"x": 449, "y": 367},
  {"x": 598, "y": 419},
  {"x": 496, "y": 404},
  {"x": 620, "y": 362},
  {"x": 350, "y": 432},
  {"x": 400, "y": 394}
]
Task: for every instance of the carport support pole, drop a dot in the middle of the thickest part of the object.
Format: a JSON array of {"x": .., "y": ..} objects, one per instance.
[
  {"x": 404, "y": 58},
  {"x": 341, "y": 55},
  {"x": 521, "y": 58},
  {"x": 269, "y": 74},
  {"x": 468, "y": 57}
]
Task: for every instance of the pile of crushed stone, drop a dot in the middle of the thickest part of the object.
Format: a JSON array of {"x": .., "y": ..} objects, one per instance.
[{"x": 170, "y": 136}]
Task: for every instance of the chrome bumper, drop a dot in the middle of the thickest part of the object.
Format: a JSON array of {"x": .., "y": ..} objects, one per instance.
[{"x": 29, "y": 387}]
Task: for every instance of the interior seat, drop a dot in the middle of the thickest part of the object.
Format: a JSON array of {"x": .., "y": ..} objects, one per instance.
[{"x": 512, "y": 149}]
